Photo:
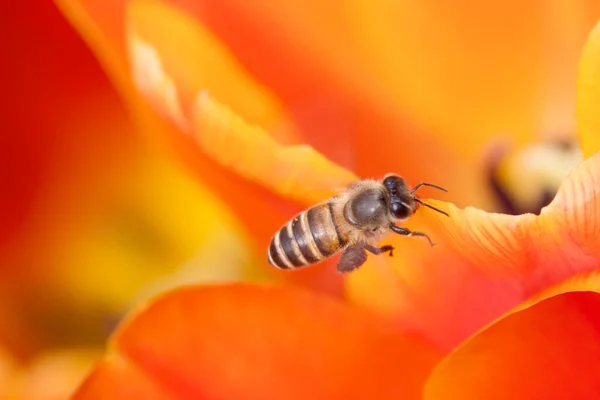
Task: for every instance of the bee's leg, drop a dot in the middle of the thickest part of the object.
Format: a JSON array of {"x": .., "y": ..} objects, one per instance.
[
  {"x": 352, "y": 258},
  {"x": 379, "y": 250},
  {"x": 408, "y": 232}
]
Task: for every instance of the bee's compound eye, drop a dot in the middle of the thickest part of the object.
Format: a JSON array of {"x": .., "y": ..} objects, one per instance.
[
  {"x": 394, "y": 184},
  {"x": 390, "y": 182},
  {"x": 399, "y": 210}
]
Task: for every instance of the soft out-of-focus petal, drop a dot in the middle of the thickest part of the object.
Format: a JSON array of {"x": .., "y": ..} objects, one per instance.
[
  {"x": 483, "y": 263},
  {"x": 59, "y": 113},
  {"x": 190, "y": 67},
  {"x": 371, "y": 138},
  {"x": 98, "y": 215},
  {"x": 116, "y": 377},
  {"x": 103, "y": 25},
  {"x": 107, "y": 217},
  {"x": 104, "y": 34},
  {"x": 545, "y": 349},
  {"x": 63, "y": 123},
  {"x": 149, "y": 230},
  {"x": 67, "y": 146},
  {"x": 104, "y": 38},
  {"x": 8, "y": 368},
  {"x": 292, "y": 172},
  {"x": 52, "y": 375},
  {"x": 55, "y": 375},
  {"x": 196, "y": 60},
  {"x": 349, "y": 72},
  {"x": 17, "y": 332},
  {"x": 438, "y": 78},
  {"x": 295, "y": 172},
  {"x": 241, "y": 341},
  {"x": 588, "y": 94},
  {"x": 107, "y": 37},
  {"x": 131, "y": 245}
]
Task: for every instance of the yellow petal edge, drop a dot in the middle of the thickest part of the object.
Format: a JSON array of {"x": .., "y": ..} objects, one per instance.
[{"x": 588, "y": 94}]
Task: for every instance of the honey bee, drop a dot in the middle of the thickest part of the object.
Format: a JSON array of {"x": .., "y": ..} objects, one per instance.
[{"x": 352, "y": 222}]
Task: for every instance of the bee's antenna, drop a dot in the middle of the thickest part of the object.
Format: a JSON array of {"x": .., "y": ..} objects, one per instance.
[
  {"x": 430, "y": 206},
  {"x": 429, "y": 185}
]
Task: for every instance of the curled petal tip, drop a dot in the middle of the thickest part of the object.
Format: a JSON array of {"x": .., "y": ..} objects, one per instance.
[
  {"x": 153, "y": 82},
  {"x": 297, "y": 172},
  {"x": 554, "y": 337}
]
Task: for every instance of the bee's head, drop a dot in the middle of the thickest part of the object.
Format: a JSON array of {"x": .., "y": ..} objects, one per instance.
[
  {"x": 402, "y": 203},
  {"x": 402, "y": 199}
]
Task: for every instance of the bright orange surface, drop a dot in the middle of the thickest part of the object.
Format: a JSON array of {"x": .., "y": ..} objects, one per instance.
[
  {"x": 548, "y": 350},
  {"x": 261, "y": 342}
]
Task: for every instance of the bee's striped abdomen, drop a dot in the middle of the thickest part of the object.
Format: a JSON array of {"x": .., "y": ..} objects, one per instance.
[{"x": 310, "y": 237}]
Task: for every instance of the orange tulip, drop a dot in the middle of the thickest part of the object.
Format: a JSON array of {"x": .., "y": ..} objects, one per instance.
[
  {"x": 242, "y": 103},
  {"x": 504, "y": 306}
]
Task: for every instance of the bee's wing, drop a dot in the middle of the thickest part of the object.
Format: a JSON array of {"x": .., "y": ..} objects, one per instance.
[{"x": 352, "y": 258}]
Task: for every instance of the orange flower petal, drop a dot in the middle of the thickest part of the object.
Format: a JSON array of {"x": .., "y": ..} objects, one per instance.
[
  {"x": 106, "y": 38},
  {"x": 369, "y": 50},
  {"x": 346, "y": 136},
  {"x": 546, "y": 349},
  {"x": 298, "y": 172},
  {"x": 241, "y": 341},
  {"x": 361, "y": 69},
  {"x": 8, "y": 373},
  {"x": 95, "y": 200},
  {"x": 220, "y": 128},
  {"x": 52, "y": 101},
  {"x": 160, "y": 38},
  {"x": 588, "y": 94},
  {"x": 483, "y": 264},
  {"x": 56, "y": 375},
  {"x": 171, "y": 220},
  {"x": 162, "y": 65},
  {"x": 293, "y": 172},
  {"x": 103, "y": 26},
  {"x": 116, "y": 378},
  {"x": 168, "y": 76}
]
